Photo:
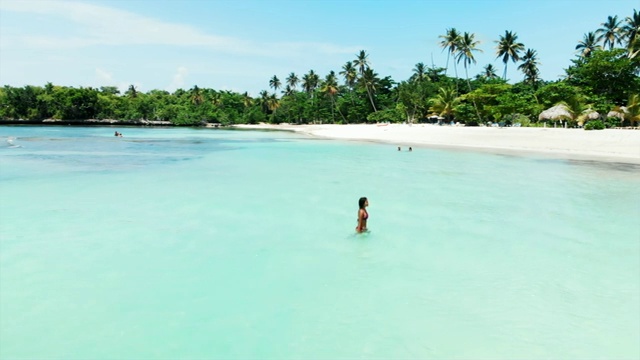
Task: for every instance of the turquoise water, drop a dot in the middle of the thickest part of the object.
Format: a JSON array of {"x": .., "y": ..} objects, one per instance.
[{"x": 203, "y": 244}]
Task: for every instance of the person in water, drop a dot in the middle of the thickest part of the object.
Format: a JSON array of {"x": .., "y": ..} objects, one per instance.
[{"x": 363, "y": 215}]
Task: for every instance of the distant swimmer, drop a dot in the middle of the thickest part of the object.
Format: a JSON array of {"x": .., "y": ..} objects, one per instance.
[
  {"x": 399, "y": 149},
  {"x": 118, "y": 134},
  {"x": 410, "y": 149},
  {"x": 363, "y": 215}
]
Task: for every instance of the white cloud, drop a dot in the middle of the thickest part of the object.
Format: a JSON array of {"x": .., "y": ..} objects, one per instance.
[
  {"x": 101, "y": 25},
  {"x": 104, "y": 78},
  {"x": 178, "y": 79}
]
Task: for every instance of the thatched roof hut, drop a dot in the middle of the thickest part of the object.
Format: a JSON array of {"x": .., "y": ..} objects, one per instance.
[
  {"x": 618, "y": 112},
  {"x": 557, "y": 112},
  {"x": 591, "y": 114}
]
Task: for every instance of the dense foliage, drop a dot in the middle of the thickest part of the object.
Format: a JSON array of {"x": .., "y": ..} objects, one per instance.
[{"x": 603, "y": 79}]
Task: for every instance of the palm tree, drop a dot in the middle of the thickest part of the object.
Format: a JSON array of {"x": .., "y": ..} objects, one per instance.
[
  {"x": 445, "y": 102},
  {"x": 420, "y": 72},
  {"x": 450, "y": 43},
  {"x": 634, "y": 47},
  {"x": 275, "y": 84},
  {"x": 489, "y": 72},
  {"x": 247, "y": 101},
  {"x": 633, "y": 109},
  {"x": 529, "y": 66},
  {"x": 362, "y": 63},
  {"x": 509, "y": 49},
  {"x": 288, "y": 91},
  {"x": 350, "y": 77},
  {"x": 610, "y": 32},
  {"x": 349, "y": 74},
  {"x": 631, "y": 32},
  {"x": 371, "y": 81},
  {"x": 309, "y": 84},
  {"x": 196, "y": 95},
  {"x": 132, "y": 92},
  {"x": 466, "y": 47},
  {"x": 273, "y": 103},
  {"x": 330, "y": 88},
  {"x": 292, "y": 81},
  {"x": 264, "y": 101},
  {"x": 588, "y": 45}
]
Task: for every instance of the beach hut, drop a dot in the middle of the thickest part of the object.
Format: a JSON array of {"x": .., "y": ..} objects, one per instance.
[
  {"x": 587, "y": 115},
  {"x": 555, "y": 113},
  {"x": 618, "y": 112}
]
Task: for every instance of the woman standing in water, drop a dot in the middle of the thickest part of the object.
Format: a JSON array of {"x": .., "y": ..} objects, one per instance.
[{"x": 363, "y": 215}]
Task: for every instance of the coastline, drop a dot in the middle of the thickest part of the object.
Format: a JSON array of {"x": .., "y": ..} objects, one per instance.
[{"x": 609, "y": 145}]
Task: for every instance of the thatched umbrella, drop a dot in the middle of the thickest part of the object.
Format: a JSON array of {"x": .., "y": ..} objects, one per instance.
[
  {"x": 588, "y": 114},
  {"x": 618, "y": 112},
  {"x": 558, "y": 112}
]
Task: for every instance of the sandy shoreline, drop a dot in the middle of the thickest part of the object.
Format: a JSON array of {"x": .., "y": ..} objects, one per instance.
[{"x": 614, "y": 145}]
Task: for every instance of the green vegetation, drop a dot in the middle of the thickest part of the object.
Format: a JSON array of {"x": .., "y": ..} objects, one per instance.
[
  {"x": 594, "y": 125},
  {"x": 600, "y": 89}
]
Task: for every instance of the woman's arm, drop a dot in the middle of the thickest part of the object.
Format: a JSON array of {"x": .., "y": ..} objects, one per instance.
[{"x": 360, "y": 221}]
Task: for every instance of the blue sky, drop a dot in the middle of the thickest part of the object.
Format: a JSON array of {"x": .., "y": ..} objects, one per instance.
[{"x": 239, "y": 45}]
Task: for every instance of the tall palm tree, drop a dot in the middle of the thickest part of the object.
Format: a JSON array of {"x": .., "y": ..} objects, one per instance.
[
  {"x": 450, "y": 43},
  {"x": 275, "y": 84},
  {"x": 610, "y": 33},
  {"x": 420, "y": 73},
  {"x": 509, "y": 49},
  {"x": 349, "y": 74},
  {"x": 631, "y": 32},
  {"x": 489, "y": 72},
  {"x": 330, "y": 89},
  {"x": 362, "y": 63},
  {"x": 371, "y": 81},
  {"x": 466, "y": 47},
  {"x": 529, "y": 66},
  {"x": 292, "y": 81},
  {"x": 588, "y": 44},
  {"x": 309, "y": 84}
]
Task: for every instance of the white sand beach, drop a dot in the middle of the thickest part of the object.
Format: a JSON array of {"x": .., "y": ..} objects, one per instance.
[{"x": 616, "y": 145}]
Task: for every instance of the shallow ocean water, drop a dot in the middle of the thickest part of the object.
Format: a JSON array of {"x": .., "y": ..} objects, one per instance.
[{"x": 201, "y": 243}]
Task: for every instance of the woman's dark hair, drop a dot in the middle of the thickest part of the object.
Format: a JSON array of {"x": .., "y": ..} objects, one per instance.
[{"x": 361, "y": 202}]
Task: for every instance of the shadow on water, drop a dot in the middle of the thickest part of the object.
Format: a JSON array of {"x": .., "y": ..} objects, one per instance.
[{"x": 611, "y": 166}]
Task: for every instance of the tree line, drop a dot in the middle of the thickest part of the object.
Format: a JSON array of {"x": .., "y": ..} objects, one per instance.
[{"x": 603, "y": 78}]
